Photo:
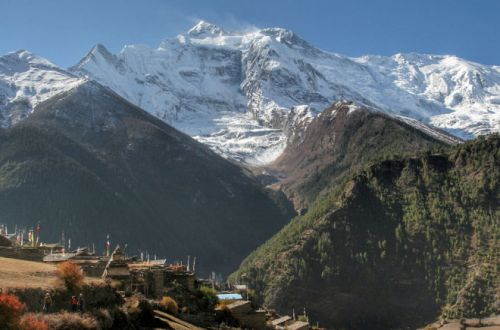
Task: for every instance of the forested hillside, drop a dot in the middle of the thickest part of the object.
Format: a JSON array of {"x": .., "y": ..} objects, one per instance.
[{"x": 401, "y": 242}]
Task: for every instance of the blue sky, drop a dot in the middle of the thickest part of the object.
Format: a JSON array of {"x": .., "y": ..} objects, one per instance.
[{"x": 64, "y": 30}]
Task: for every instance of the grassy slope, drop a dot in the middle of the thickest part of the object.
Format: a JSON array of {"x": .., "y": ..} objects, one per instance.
[
  {"x": 16, "y": 273},
  {"x": 395, "y": 244},
  {"x": 22, "y": 273}
]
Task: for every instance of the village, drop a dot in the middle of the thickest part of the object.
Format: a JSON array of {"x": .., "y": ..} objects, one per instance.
[{"x": 156, "y": 280}]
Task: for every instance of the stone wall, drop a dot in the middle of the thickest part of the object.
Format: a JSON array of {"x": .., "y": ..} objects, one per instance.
[{"x": 31, "y": 254}]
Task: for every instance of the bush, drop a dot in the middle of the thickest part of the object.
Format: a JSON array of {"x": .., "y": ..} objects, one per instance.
[
  {"x": 140, "y": 311},
  {"x": 70, "y": 275},
  {"x": 210, "y": 296},
  {"x": 71, "y": 321},
  {"x": 31, "y": 322},
  {"x": 223, "y": 304},
  {"x": 169, "y": 305},
  {"x": 11, "y": 310},
  {"x": 104, "y": 317}
]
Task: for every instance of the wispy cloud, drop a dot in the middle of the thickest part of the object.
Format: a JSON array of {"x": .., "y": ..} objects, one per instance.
[{"x": 227, "y": 22}]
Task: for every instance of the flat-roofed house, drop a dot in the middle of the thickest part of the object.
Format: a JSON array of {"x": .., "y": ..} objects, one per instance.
[
  {"x": 298, "y": 325},
  {"x": 282, "y": 322}
]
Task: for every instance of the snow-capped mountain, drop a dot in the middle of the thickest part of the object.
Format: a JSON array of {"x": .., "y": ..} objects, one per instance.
[
  {"x": 26, "y": 80},
  {"x": 245, "y": 94},
  {"x": 238, "y": 92}
]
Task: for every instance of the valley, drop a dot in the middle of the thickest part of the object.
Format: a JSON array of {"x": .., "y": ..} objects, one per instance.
[{"x": 363, "y": 190}]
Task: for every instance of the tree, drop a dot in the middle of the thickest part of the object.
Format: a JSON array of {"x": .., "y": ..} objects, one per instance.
[
  {"x": 11, "y": 310},
  {"x": 169, "y": 305},
  {"x": 70, "y": 276},
  {"x": 209, "y": 296}
]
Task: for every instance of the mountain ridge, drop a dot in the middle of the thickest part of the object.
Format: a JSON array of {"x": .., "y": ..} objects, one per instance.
[
  {"x": 237, "y": 91},
  {"x": 344, "y": 138},
  {"x": 87, "y": 161}
]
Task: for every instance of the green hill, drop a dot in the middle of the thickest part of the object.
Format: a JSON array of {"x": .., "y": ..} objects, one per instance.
[{"x": 399, "y": 243}]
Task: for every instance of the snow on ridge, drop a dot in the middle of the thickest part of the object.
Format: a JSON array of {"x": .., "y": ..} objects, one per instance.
[
  {"x": 442, "y": 136},
  {"x": 203, "y": 28},
  {"x": 204, "y": 74},
  {"x": 246, "y": 93},
  {"x": 26, "y": 80}
]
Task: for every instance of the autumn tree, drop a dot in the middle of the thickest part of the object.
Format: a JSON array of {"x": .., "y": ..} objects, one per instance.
[
  {"x": 169, "y": 305},
  {"x": 70, "y": 275},
  {"x": 11, "y": 310}
]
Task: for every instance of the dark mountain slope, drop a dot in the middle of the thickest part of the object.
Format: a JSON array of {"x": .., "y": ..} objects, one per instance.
[
  {"x": 343, "y": 139},
  {"x": 393, "y": 245},
  {"x": 90, "y": 163}
]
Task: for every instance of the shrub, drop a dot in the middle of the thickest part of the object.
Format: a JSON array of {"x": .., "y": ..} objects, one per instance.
[
  {"x": 31, "y": 322},
  {"x": 223, "y": 304},
  {"x": 70, "y": 275},
  {"x": 169, "y": 305},
  {"x": 104, "y": 317},
  {"x": 71, "y": 321},
  {"x": 210, "y": 296},
  {"x": 140, "y": 311},
  {"x": 225, "y": 315},
  {"x": 11, "y": 310}
]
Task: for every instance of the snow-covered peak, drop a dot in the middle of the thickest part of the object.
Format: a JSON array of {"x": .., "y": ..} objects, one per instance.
[
  {"x": 23, "y": 60},
  {"x": 286, "y": 37},
  {"x": 210, "y": 35},
  {"x": 245, "y": 92},
  {"x": 99, "y": 53},
  {"x": 27, "y": 79},
  {"x": 204, "y": 29},
  {"x": 100, "y": 50}
]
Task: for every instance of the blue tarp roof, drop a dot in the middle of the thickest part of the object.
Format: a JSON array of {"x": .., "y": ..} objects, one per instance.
[{"x": 229, "y": 296}]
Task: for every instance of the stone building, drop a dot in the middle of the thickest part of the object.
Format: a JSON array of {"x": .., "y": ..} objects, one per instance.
[
  {"x": 117, "y": 270},
  {"x": 154, "y": 277},
  {"x": 246, "y": 316},
  {"x": 92, "y": 265}
]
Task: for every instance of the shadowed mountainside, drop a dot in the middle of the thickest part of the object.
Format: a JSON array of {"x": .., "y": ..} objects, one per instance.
[{"x": 90, "y": 163}]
